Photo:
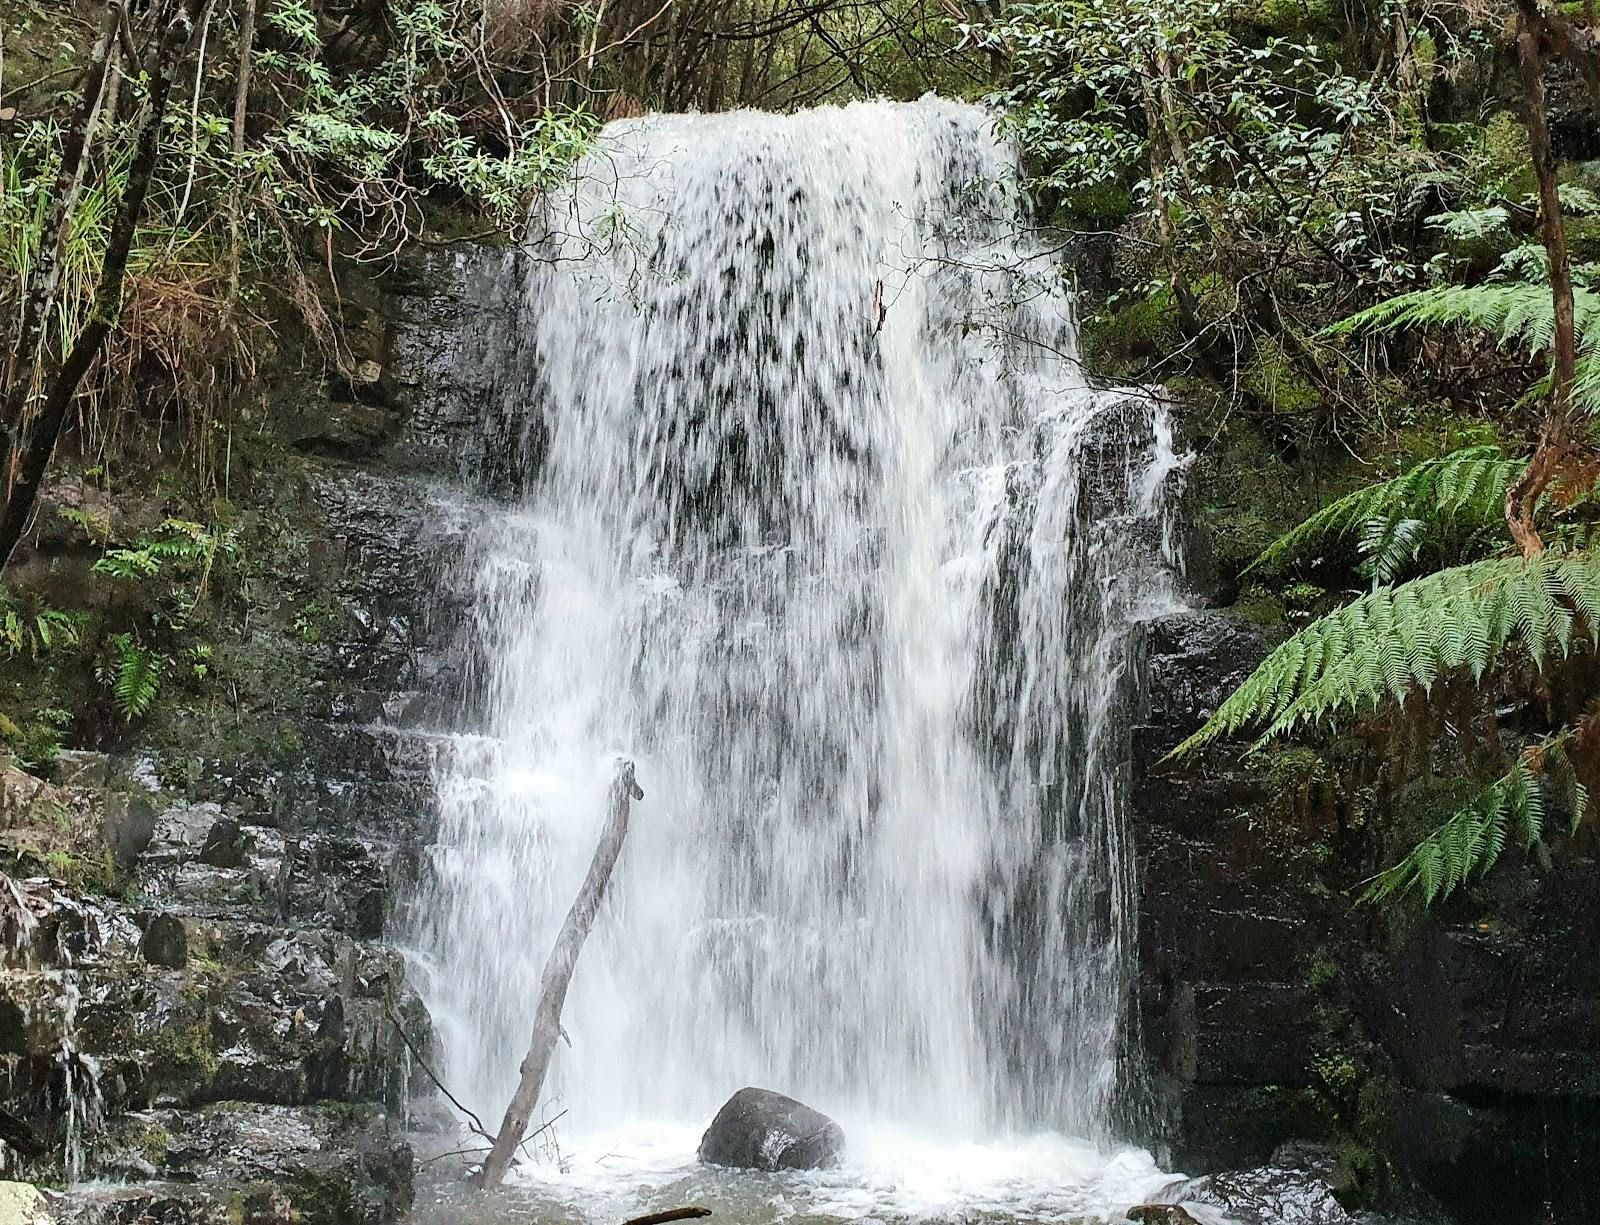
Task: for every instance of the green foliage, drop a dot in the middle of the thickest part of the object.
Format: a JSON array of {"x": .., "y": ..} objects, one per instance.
[
  {"x": 1276, "y": 384},
  {"x": 95, "y": 871},
  {"x": 34, "y": 741},
  {"x": 1138, "y": 330},
  {"x": 128, "y": 564},
  {"x": 354, "y": 149},
  {"x": 319, "y": 620},
  {"x": 132, "y": 673},
  {"x": 183, "y": 1051},
  {"x": 1396, "y": 640},
  {"x": 181, "y": 550},
  {"x": 1254, "y": 142},
  {"x": 32, "y": 628},
  {"x": 343, "y": 153},
  {"x": 1471, "y": 841},
  {"x": 1460, "y": 495},
  {"x": 1516, "y": 313}
]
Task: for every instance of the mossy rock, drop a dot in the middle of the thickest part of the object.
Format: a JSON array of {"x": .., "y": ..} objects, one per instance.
[
  {"x": 1272, "y": 379},
  {"x": 1133, "y": 335}
]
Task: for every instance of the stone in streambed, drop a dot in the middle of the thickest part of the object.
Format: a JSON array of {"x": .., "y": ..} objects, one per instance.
[
  {"x": 23, "y": 1204},
  {"x": 1161, "y": 1214},
  {"x": 757, "y": 1129}
]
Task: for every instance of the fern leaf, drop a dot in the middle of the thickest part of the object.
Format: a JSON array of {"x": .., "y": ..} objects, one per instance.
[
  {"x": 129, "y": 564},
  {"x": 1472, "y": 840},
  {"x": 133, "y": 675},
  {"x": 1464, "y": 488},
  {"x": 1517, "y": 313},
  {"x": 1396, "y": 640}
]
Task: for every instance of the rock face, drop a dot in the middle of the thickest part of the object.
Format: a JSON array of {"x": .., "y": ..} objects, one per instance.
[
  {"x": 757, "y": 1129},
  {"x": 198, "y": 992},
  {"x": 1460, "y": 1048}
]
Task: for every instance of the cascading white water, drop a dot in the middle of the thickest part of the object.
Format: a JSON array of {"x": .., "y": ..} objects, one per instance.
[{"x": 819, "y": 521}]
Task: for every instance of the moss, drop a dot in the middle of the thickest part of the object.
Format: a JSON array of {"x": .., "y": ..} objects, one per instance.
[
  {"x": 146, "y": 1137},
  {"x": 1272, "y": 379},
  {"x": 1321, "y": 970},
  {"x": 92, "y": 872},
  {"x": 1100, "y": 206},
  {"x": 183, "y": 1055},
  {"x": 347, "y": 1114},
  {"x": 326, "y": 1199},
  {"x": 1583, "y": 239},
  {"x": 1506, "y": 167},
  {"x": 1294, "y": 16},
  {"x": 1290, "y": 765},
  {"x": 1133, "y": 334},
  {"x": 1259, "y": 607}
]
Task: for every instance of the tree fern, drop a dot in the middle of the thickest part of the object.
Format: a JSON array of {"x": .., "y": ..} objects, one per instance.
[
  {"x": 1465, "y": 488},
  {"x": 1396, "y": 640},
  {"x": 1473, "y": 224},
  {"x": 1470, "y": 842},
  {"x": 1517, "y": 314}
]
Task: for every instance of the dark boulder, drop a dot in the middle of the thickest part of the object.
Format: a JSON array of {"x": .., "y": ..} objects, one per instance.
[
  {"x": 1268, "y": 1195},
  {"x": 1161, "y": 1214},
  {"x": 757, "y": 1129},
  {"x": 226, "y": 845},
  {"x": 165, "y": 941}
]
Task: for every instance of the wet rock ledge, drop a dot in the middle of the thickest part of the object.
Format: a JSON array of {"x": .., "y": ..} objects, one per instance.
[
  {"x": 1453, "y": 1055},
  {"x": 210, "y": 1037},
  {"x": 200, "y": 1004}
]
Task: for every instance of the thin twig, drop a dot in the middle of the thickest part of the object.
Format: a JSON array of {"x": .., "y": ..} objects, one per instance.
[{"x": 475, "y": 1122}]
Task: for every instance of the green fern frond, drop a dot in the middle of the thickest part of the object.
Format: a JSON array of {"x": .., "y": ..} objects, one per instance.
[
  {"x": 1511, "y": 808},
  {"x": 1465, "y": 488},
  {"x": 182, "y": 539},
  {"x": 1518, "y": 314},
  {"x": 128, "y": 564},
  {"x": 133, "y": 673},
  {"x": 1396, "y": 640},
  {"x": 1469, "y": 224}
]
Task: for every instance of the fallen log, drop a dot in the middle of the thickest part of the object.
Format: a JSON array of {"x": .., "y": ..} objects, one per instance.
[
  {"x": 557, "y": 975},
  {"x": 671, "y": 1214}
]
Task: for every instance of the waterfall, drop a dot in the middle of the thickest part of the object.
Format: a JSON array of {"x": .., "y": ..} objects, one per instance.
[{"x": 808, "y": 509}]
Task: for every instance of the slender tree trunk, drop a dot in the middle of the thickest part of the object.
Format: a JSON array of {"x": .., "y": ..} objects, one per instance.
[
  {"x": 1550, "y": 454},
  {"x": 557, "y": 975},
  {"x": 241, "y": 106},
  {"x": 33, "y": 443},
  {"x": 39, "y": 294}
]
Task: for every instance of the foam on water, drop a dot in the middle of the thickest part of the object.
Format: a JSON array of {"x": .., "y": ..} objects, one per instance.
[
  {"x": 812, "y": 513},
  {"x": 890, "y": 1174}
]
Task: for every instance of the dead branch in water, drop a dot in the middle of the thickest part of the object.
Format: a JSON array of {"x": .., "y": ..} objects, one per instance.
[
  {"x": 558, "y": 975},
  {"x": 671, "y": 1214}
]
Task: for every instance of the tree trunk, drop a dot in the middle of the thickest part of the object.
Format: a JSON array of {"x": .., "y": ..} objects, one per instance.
[
  {"x": 33, "y": 444},
  {"x": 39, "y": 294},
  {"x": 1549, "y": 456},
  {"x": 557, "y": 975},
  {"x": 241, "y": 106}
]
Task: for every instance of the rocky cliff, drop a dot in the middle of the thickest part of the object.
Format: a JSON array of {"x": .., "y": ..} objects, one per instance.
[
  {"x": 202, "y": 994},
  {"x": 1458, "y": 1053}
]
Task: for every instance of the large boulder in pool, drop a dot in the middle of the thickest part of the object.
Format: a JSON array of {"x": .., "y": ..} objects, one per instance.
[{"x": 757, "y": 1129}]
